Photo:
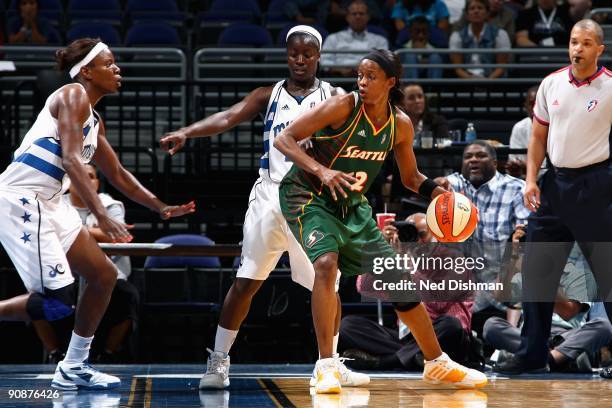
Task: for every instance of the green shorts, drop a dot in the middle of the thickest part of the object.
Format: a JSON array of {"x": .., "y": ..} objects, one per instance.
[{"x": 322, "y": 227}]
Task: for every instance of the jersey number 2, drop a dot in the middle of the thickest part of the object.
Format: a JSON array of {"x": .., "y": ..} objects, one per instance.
[{"x": 362, "y": 178}]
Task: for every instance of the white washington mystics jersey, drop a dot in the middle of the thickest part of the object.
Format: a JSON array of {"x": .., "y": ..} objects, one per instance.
[
  {"x": 283, "y": 108},
  {"x": 37, "y": 163}
]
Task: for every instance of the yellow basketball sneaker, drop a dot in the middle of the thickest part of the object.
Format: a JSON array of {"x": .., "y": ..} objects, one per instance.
[
  {"x": 348, "y": 378},
  {"x": 443, "y": 370},
  {"x": 328, "y": 376}
]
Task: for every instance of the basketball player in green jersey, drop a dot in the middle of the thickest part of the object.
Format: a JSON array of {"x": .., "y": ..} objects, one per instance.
[{"x": 322, "y": 199}]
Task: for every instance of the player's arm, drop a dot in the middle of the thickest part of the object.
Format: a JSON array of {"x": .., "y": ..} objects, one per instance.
[
  {"x": 219, "y": 122},
  {"x": 71, "y": 108},
  {"x": 411, "y": 177},
  {"x": 107, "y": 161},
  {"x": 338, "y": 90},
  {"x": 332, "y": 112}
]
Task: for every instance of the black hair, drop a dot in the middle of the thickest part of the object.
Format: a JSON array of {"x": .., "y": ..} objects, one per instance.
[
  {"x": 488, "y": 148},
  {"x": 485, "y": 3},
  {"x": 77, "y": 50},
  {"x": 390, "y": 63},
  {"x": 419, "y": 19}
]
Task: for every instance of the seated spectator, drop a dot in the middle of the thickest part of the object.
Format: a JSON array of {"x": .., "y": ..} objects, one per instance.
[
  {"x": 356, "y": 37},
  {"x": 419, "y": 39},
  {"x": 376, "y": 347},
  {"x": 500, "y": 16},
  {"x": 435, "y": 11},
  {"x": 519, "y": 138},
  {"x": 544, "y": 25},
  {"x": 28, "y": 27},
  {"x": 122, "y": 313},
  {"x": 338, "y": 10},
  {"x": 415, "y": 106},
  {"x": 307, "y": 11},
  {"x": 573, "y": 340},
  {"x": 479, "y": 34}
]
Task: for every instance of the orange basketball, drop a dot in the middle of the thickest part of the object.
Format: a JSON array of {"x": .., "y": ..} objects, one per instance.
[{"x": 451, "y": 217}]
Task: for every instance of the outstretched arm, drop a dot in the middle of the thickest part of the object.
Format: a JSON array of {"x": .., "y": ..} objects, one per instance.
[
  {"x": 412, "y": 179},
  {"x": 333, "y": 112},
  {"x": 244, "y": 110},
  {"x": 71, "y": 108},
  {"x": 108, "y": 163}
]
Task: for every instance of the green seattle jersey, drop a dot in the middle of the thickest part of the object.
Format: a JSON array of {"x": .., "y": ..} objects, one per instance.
[{"x": 356, "y": 148}]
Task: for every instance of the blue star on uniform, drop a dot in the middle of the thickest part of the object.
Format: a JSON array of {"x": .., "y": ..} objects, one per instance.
[
  {"x": 24, "y": 200},
  {"x": 26, "y": 237},
  {"x": 26, "y": 216}
]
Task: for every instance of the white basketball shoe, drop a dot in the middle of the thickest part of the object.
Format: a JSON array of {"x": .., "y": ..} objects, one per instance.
[
  {"x": 348, "y": 378},
  {"x": 217, "y": 371},
  {"x": 443, "y": 370},
  {"x": 71, "y": 377}
]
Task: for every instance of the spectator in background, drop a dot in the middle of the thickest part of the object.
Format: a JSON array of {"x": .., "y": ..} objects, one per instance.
[
  {"x": 544, "y": 25},
  {"x": 307, "y": 11},
  {"x": 419, "y": 39},
  {"x": 338, "y": 10},
  {"x": 500, "y": 16},
  {"x": 482, "y": 35},
  {"x": 369, "y": 345},
  {"x": 355, "y": 38},
  {"x": 519, "y": 138},
  {"x": 415, "y": 105},
  {"x": 435, "y": 11},
  {"x": 28, "y": 27},
  {"x": 122, "y": 313}
]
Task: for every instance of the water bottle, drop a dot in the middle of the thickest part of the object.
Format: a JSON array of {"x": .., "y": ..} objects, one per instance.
[{"x": 470, "y": 133}]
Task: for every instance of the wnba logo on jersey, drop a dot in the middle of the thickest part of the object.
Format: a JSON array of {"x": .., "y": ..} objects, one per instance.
[
  {"x": 592, "y": 105},
  {"x": 57, "y": 270},
  {"x": 314, "y": 237}
]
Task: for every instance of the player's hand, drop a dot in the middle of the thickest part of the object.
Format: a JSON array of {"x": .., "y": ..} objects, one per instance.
[
  {"x": 170, "y": 211},
  {"x": 337, "y": 181},
  {"x": 444, "y": 183},
  {"x": 174, "y": 141},
  {"x": 531, "y": 196},
  {"x": 115, "y": 230}
]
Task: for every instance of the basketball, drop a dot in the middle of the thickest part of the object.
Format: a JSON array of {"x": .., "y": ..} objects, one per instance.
[{"x": 451, "y": 217}]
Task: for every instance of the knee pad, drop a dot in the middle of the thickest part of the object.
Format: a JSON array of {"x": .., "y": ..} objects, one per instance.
[
  {"x": 53, "y": 305},
  {"x": 405, "y": 306}
]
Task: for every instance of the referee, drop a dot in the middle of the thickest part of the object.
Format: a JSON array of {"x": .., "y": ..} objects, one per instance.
[{"x": 573, "y": 202}]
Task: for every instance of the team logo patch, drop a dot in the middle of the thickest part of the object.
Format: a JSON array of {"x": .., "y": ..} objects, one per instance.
[
  {"x": 591, "y": 105},
  {"x": 286, "y": 107},
  {"x": 384, "y": 137},
  {"x": 314, "y": 237},
  {"x": 57, "y": 270}
]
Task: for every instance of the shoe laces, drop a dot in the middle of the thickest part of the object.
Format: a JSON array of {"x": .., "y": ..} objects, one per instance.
[{"x": 215, "y": 362}]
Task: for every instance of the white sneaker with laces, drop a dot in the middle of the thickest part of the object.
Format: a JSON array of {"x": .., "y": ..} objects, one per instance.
[
  {"x": 71, "y": 377},
  {"x": 348, "y": 378},
  {"x": 443, "y": 370},
  {"x": 217, "y": 371},
  {"x": 327, "y": 376}
]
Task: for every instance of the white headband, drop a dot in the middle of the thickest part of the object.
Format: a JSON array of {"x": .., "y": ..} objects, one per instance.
[
  {"x": 98, "y": 48},
  {"x": 308, "y": 30}
]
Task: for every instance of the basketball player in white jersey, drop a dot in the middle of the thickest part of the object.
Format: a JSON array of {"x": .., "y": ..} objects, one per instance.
[
  {"x": 42, "y": 233},
  {"x": 265, "y": 233}
]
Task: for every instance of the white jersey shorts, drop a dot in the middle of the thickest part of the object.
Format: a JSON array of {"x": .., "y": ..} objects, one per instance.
[
  {"x": 266, "y": 236},
  {"x": 37, "y": 234}
]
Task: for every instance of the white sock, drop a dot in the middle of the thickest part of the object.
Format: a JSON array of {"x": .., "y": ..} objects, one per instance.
[
  {"x": 335, "y": 345},
  {"x": 78, "y": 349},
  {"x": 224, "y": 340}
]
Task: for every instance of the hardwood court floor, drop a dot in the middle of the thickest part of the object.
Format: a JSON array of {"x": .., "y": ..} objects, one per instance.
[{"x": 287, "y": 386}]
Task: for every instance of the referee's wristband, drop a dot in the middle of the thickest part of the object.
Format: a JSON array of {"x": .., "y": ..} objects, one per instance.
[{"x": 427, "y": 188}]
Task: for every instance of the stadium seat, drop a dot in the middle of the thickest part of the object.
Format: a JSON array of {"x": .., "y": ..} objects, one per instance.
[
  {"x": 245, "y": 35},
  {"x": 376, "y": 29},
  {"x": 437, "y": 37},
  {"x": 105, "y": 31},
  {"x": 179, "y": 261},
  {"x": 276, "y": 12},
  {"x": 157, "y": 10},
  {"x": 499, "y": 130},
  {"x": 152, "y": 33},
  {"x": 95, "y": 10},
  {"x": 281, "y": 39},
  {"x": 232, "y": 6}
]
